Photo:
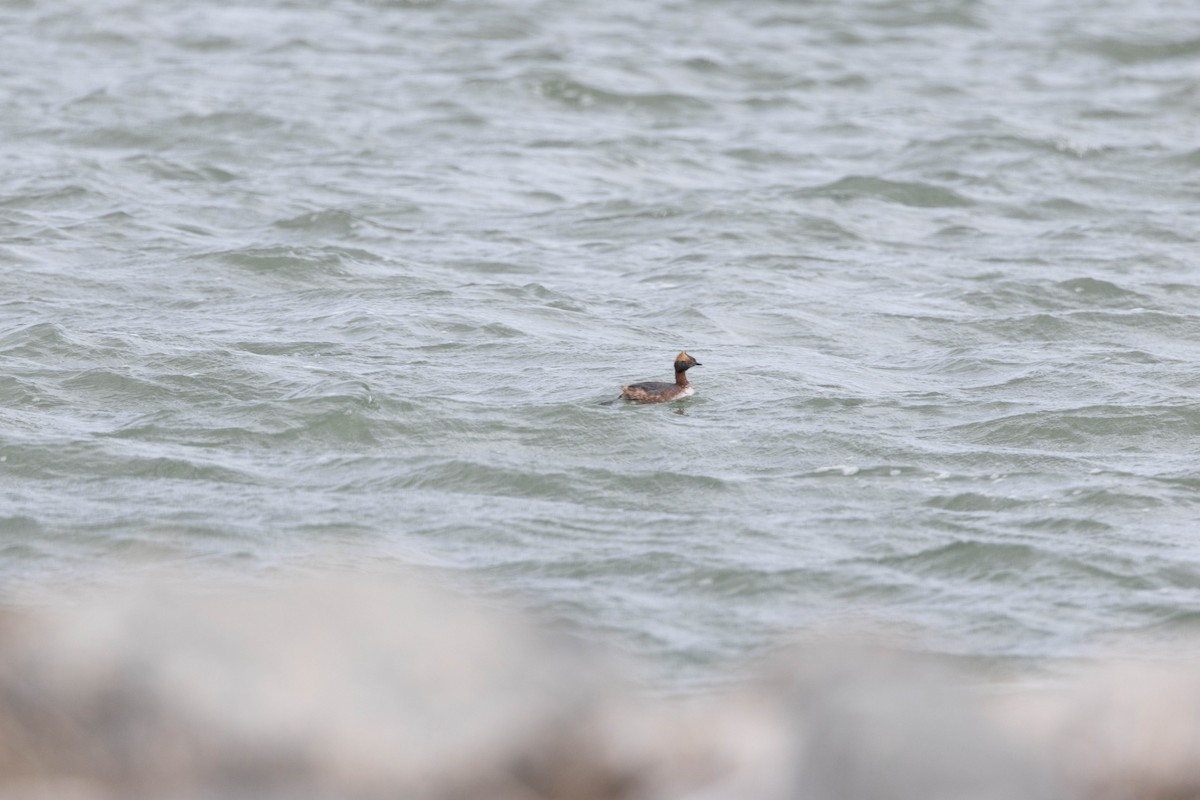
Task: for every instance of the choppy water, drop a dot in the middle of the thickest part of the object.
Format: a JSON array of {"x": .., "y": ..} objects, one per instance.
[{"x": 348, "y": 281}]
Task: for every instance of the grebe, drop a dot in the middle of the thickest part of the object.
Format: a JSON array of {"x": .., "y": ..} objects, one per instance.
[{"x": 659, "y": 391}]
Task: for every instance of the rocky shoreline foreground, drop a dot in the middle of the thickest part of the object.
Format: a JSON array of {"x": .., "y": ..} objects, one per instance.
[{"x": 392, "y": 689}]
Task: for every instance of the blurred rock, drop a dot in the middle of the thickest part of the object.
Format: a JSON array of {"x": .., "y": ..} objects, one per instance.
[{"x": 389, "y": 689}]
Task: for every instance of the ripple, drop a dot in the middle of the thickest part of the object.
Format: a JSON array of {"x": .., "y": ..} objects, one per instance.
[
  {"x": 1087, "y": 427},
  {"x": 917, "y": 195},
  {"x": 1095, "y": 290},
  {"x": 976, "y": 560},
  {"x": 293, "y": 263},
  {"x": 1127, "y": 50},
  {"x": 39, "y": 340},
  {"x": 975, "y": 501},
  {"x": 327, "y": 222},
  {"x": 580, "y": 96},
  {"x": 174, "y": 469},
  {"x": 19, "y": 526}
]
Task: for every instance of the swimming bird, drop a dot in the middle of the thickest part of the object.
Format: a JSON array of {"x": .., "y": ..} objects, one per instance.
[{"x": 660, "y": 391}]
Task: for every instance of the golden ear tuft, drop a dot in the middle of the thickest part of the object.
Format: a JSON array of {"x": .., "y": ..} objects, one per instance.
[{"x": 683, "y": 356}]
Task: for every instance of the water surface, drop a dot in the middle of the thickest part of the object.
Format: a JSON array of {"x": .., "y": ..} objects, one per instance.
[{"x": 346, "y": 282}]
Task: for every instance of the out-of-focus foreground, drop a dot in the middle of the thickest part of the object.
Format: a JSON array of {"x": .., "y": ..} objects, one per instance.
[{"x": 392, "y": 689}]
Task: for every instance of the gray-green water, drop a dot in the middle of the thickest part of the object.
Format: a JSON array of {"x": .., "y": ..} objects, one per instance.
[{"x": 347, "y": 281}]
